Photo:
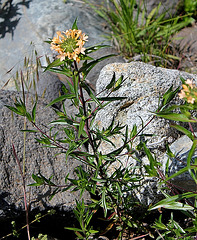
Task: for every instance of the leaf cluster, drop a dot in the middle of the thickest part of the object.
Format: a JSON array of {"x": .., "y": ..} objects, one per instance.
[
  {"x": 111, "y": 184},
  {"x": 138, "y": 35}
]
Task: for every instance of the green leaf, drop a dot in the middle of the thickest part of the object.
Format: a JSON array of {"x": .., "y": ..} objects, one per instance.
[
  {"x": 169, "y": 95},
  {"x": 74, "y": 26},
  {"x": 118, "y": 83},
  {"x": 90, "y": 93},
  {"x": 55, "y": 63},
  {"x": 74, "y": 229},
  {"x": 65, "y": 121},
  {"x": 86, "y": 69},
  {"x": 103, "y": 200},
  {"x": 28, "y": 116},
  {"x": 13, "y": 109},
  {"x": 61, "y": 98},
  {"x": 175, "y": 117},
  {"x": 81, "y": 127},
  {"x": 151, "y": 14},
  {"x": 151, "y": 169},
  {"x": 34, "y": 112},
  {"x": 181, "y": 171},
  {"x": 93, "y": 231},
  {"x": 183, "y": 130},
  {"x": 48, "y": 41},
  {"x": 169, "y": 152},
  {"x": 173, "y": 203},
  {"x": 133, "y": 131},
  {"x": 64, "y": 71},
  {"x": 53, "y": 193},
  {"x": 95, "y": 48},
  {"x": 112, "y": 82},
  {"x": 99, "y": 180},
  {"x": 39, "y": 180},
  {"x": 189, "y": 159}
]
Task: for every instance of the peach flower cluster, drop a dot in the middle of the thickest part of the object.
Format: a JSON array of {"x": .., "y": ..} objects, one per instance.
[
  {"x": 69, "y": 44},
  {"x": 189, "y": 92}
]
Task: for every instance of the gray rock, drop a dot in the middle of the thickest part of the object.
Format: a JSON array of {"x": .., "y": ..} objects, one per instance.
[
  {"x": 186, "y": 45},
  {"x": 37, "y": 21},
  {"x": 49, "y": 86},
  {"x": 37, "y": 158},
  {"x": 180, "y": 148},
  {"x": 168, "y": 6},
  {"x": 143, "y": 85}
]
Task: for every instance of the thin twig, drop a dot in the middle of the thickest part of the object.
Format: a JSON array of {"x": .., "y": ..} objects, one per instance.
[{"x": 24, "y": 191}]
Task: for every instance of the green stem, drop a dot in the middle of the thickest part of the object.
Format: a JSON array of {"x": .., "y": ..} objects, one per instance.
[
  {"x": 85, "y": 113},
  {"x": 24, "y": 144}
]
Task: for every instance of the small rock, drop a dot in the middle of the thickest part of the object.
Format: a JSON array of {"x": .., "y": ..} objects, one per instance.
[{"x": 180, "y": 148}]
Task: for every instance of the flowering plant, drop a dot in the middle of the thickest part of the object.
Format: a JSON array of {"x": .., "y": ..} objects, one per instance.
[
  {"x": 113, "y": 192},
  {"x": 79, "y": 139},
  {"x": 69, "y": 44},
  {"x": 189, "y": 92}
]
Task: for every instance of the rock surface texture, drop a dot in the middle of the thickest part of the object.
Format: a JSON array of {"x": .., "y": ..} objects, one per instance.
[
  {"x": 186, "y": 44},
  {"x": 180, "y": 148},
  {"x": 142, "y": 86},
  {"x": 27, "y": 24},
  {"x": 37, "y": 159},
  {"x": 23, "y": 22}
]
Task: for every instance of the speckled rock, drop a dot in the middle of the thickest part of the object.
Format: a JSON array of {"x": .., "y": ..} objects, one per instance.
[
  {"x": 37, "y": 158},
  {"x": 180, "y": 148},
  {"x": 143, "y": 85}
]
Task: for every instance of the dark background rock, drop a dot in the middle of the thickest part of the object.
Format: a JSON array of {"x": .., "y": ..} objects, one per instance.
[
  {"x": 180, "y": 148},
  {"x": 186, "y": 48},
  {"x": 37, "y": 21},
  {"x": 169, "y": 6},
  {"x": 37, "y": 158}
]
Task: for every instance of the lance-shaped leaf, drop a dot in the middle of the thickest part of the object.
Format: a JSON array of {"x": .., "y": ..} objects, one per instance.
[
  {"x": 81, "y": 127},
  {"x": 169, "y": 95},
  {"x": 95, "y": 48},
  {"x": 64, "y": 71},
  {"x": 61, "y": 98},
  {"x": 112, "y": 82},
  {"x": 74, "y": 26},
  {"x": 90, "y": 93},
  {"x": 85, "y": 69},
  {"x": 34, "y": 112},
  {"x": 189, "y": 159},
  {"x": 175, "y": 117},
  {"x": 55, "y": 63},
  {"x": 173, "y": 202},
  {"x": 183, "y": 130}
]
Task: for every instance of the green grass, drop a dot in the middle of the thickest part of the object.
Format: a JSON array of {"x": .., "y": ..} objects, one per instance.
[{"x": 138, "y": 35}]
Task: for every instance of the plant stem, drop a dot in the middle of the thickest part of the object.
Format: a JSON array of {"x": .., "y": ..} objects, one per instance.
[
  {"x": 84, "y": 111},
  {"x": 24, "y": 191}
]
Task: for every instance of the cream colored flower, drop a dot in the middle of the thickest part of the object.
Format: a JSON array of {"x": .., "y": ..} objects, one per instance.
[
  {"x": 190, "y": 83},
  {"x": 185, "y": 87},
  {"x": 190, "y": 99},
  {"x": 69, "y": 44},
  {"x": 182, "y": 94},
  {"x": 189, "y": 92}
]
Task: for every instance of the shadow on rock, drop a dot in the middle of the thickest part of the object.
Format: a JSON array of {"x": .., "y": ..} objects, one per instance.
[{"x": 10, "y": 16}]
